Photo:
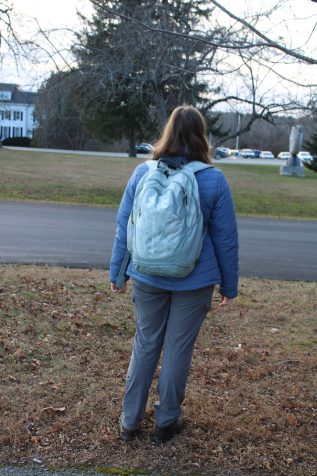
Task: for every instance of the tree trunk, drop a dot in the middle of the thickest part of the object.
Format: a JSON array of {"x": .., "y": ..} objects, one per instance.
[
  {"x": 163, "y": 115},
  {"x": 132, "y": 151}
]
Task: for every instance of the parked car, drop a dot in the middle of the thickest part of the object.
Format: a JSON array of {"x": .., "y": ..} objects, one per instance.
[
  {"x": 284, "y": 155},
  {"x": 222, "y": 152},
  {"x": 234, "y": 152},
  {"x": 247, "y": 153},
  {"x": 257, "y": 153},
  {"x": 304, "y": 155},
  {"x": 266, "y": 154},
  {"x": 143, "y": 148}
]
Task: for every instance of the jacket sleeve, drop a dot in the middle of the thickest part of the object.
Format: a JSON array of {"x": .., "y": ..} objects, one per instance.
[
  {"x": 120, "y": 241},
  {"x": 224, "y": 234}
]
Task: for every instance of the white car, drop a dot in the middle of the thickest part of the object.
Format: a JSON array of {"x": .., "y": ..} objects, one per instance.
[
  {"x": 247, "y": 153},
  {"x": 304, "y": 155},
  {"x": 284, "y": 155},
  {"x": 266, "y": 154},
  {"x": 234, "y": 152}
]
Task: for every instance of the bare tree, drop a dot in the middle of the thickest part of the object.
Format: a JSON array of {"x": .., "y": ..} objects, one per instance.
[
  {"x": 58, "y": 114},
  {"x": 27, "y": 45},
  {"x": 236, "y": 42},
  {"x": 8, "y": 38}
]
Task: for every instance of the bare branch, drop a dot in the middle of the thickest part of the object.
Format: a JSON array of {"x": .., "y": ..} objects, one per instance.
[
  {"x": 269, "y": 43},
  {"x": 238, "y": 45},
  {"x": 55, "y": 50},
  {"x": 229, "y": 46}
]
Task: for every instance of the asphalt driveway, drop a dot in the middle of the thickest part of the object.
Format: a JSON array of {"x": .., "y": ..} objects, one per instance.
[{"x": 77, "y": 236}]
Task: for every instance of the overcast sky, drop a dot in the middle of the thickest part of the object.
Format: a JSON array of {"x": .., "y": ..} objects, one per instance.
[
  {"x": 50, "y": 14},
  {"x": 296, "y": 24}
]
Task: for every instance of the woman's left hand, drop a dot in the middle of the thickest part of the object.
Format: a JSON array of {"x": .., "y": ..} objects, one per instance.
[
  {"x": 115, "y": 289},
  {"x": 225, "y": 301}
]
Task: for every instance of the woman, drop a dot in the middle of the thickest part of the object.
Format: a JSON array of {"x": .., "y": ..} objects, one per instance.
[{"x": 169, "y": 311}]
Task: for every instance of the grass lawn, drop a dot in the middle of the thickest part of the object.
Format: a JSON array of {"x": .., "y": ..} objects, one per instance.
[
  {"x": 65, "y": 343},
  {"x": 93, "y": 180}
]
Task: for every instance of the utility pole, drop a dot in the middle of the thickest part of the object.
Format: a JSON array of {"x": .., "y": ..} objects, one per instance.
[{"x": 238, "y": 130}]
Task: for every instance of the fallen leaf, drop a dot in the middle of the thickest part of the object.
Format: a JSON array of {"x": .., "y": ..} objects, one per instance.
[
  {"x": 53, "y": 410},
  {"x": 292, "y": 420},
  {"x": 35, "y": 363},
  {"x": 11, "y": 377}
]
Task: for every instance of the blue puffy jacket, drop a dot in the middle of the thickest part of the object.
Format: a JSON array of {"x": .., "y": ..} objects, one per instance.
[{"x": 218, "y": 262}]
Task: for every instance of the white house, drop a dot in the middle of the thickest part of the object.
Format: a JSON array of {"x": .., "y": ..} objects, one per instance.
[{"x": 16, "y": 111}]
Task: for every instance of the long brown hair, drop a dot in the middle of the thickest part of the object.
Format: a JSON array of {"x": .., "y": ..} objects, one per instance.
[{"x": 184, "y": 134}]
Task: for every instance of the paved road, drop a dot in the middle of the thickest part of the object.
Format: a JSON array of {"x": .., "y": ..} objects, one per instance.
[
  {"x": 77, "y": 236},
  {"x": 231, "y": 160}
]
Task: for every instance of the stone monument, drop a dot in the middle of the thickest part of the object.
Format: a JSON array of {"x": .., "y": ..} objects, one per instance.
[{"x": 293, "y": 166}]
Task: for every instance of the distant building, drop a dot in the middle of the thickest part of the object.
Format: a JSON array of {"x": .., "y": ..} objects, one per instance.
[{"x": 16, "y": 111}]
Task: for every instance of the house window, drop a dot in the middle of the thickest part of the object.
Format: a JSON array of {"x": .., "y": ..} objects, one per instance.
[
  {"x": 7, "y": 115},
  {"x": 17, "y": 115},
  {"x": 1, "y": 115},
  {"x": 17, "y": 132},
  {"x": 5, "y": 95},
  {"x": 5, "y": 132}
]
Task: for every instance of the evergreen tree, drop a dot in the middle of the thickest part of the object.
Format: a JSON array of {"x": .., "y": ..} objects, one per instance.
[
  {"x": 311, "y": 146},
  {"x": 311, "y": 164},
  {"x": 130, "y": 77}
]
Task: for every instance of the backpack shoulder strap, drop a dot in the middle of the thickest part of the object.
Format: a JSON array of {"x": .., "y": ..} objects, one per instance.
[
  {"x": 195, "y": 166},
  {"x": 152, "y": 164}
]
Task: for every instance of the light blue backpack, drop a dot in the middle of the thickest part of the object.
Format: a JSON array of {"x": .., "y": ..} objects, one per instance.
[{"x": 165, "y": 228}]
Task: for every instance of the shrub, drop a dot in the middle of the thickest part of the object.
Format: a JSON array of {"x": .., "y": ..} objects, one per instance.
[
  {"x": 311, "y": 164},
  {"x": 17, "y": 141}
]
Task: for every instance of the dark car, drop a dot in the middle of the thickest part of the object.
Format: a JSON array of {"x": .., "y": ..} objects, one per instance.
[
  {"x": 143, "y": 148},
  {"x": 222, "y": 152},
  {"x": 257, "y": 153}
]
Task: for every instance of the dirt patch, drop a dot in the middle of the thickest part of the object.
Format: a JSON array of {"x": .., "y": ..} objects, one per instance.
[{"x": 65, "y": 344}]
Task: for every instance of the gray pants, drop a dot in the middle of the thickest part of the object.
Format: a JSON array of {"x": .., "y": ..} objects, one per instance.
[{"x": 164, "y": 319}]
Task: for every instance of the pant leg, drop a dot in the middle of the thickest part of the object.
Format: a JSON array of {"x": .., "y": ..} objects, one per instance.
[
  {"x": 151, "y": 309},
  {"x": 188, "y": 310}
]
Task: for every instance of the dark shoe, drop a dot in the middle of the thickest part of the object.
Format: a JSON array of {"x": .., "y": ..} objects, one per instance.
[
  {"x": 127, "y": 435},
  {"x": 162, "y": 435}
]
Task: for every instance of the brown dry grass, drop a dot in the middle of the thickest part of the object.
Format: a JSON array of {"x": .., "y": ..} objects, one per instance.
[{"x": 64, "y": 348}]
